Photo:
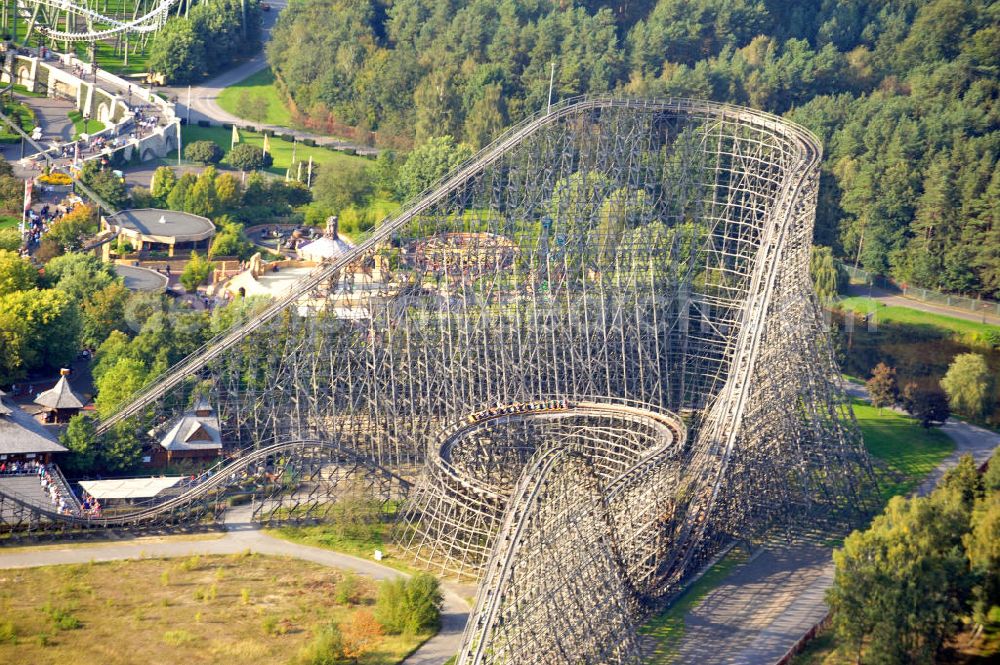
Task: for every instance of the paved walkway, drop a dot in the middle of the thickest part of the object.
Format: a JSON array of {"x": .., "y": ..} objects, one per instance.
[
  {"x": 52, "y": 115},
  {"x": 204, "y": 97},
  {"x": 240, "y": 537},
  {"x": 891, "y": 299},
  {"x": 763, "y": 607}
]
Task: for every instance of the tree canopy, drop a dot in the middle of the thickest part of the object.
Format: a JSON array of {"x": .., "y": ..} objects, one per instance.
[
  {"x": 210, "y": 38},
  {"x": 902, "y": 93}
]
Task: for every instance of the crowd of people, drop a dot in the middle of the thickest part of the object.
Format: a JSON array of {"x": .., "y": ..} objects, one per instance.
[
  {"x": 19, "y": 468},
  {"x": 54, "y": 490},
  {"x": 90, "y": 507},
  {"x": 38, "y": 224}
]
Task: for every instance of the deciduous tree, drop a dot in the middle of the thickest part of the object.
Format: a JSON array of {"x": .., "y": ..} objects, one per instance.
[
  {"x": 969, "y": 384},
  {"x": 882, "y": 387}
]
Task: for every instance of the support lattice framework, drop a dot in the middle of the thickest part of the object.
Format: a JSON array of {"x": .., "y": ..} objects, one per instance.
[
  {"x": 628, "y": 254},
  {"x": 289, "y": 482}
]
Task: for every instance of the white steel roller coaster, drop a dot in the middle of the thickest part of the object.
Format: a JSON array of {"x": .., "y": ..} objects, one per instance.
[{"x": 86, "y": 20}]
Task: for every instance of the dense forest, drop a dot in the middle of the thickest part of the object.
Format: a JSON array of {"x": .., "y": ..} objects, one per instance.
[{"x": 903, "y": 94}]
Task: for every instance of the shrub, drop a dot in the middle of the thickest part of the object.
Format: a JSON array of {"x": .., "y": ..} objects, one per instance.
[
  {"x": 204, "y": 123},
  {"x": 409, "y": 605},
  {"x": 55, "y": 178},
  {"x": 176, "y": 638},
  {"x": 191, "y": 563},
  {"x": 8, "y": 633},
  {"x": 286, "y": 137},
  {"x": 10, "y": 239},
  {"x": 246, "y": 157},
  {"x": 270, "y": 625},
  {"x": 142, "y": 198},
  {"x": 347, "y": 591},
  {"x": 206, "y": 152},
  {"x": 327, "y": 648},
  {"x": 309, "y": 142},
  {"x": 62, "y": 618},
  {"x": 196, "y": 272}
]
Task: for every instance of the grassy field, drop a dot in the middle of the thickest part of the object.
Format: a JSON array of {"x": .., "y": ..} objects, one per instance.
[
  {"x": 22, "y": 114},
  {"x": 361, "y": 544},
  {"x": 82, "y": 125},
  {"x": 914, "y": 317},
  {"x": 260, "y": 92},
  {"x": 903, "y": 451},
  {"x": 281, "y": 151},
  {"x": 668, "y": 628},
  {"x": 242, "y": 608},
  {"x": 8, "y": 222}
]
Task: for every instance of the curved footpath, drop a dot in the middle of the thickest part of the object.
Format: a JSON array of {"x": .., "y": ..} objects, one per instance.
[
  {"x": 204, "y": 97},
  {"x": 764, "y": 607},
  {"x": 241, "y": 536}
]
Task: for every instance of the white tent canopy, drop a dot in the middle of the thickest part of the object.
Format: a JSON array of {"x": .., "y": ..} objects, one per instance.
[{"x": 129, "y": 488}]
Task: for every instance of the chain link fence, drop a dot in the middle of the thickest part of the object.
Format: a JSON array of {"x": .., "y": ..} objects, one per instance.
[{"x": 977, "y": 305}]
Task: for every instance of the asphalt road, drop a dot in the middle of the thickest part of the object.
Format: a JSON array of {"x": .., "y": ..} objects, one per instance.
[
  {"x": 240, "y": 537},
  {"x": 204, "y": 98},
  {"x": 762, "y": 608}
]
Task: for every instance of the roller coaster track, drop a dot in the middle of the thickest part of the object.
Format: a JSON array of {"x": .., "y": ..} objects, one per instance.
[
  {"x": 148, "y": 22},
  {"x": 435, "y": 193},
  {"x": 223, "y": 476},
  {"x": 655, "y": 262}
]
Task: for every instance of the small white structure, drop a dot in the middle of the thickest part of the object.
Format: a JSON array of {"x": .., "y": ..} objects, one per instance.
[
  {"x": 129, "y": 488},
  {"x": 330, "y": 246}
]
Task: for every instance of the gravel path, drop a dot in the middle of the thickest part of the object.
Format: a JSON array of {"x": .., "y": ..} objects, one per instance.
[
  {"x": 241, "y": 536},
  {"x": 763, "y": 607}
]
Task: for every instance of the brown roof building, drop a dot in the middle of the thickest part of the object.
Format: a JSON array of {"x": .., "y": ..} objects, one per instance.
[
  {"x": 195, "y": 434},
  {"x": 60, "y": 400},
  {"x": 21, "y": 436}
]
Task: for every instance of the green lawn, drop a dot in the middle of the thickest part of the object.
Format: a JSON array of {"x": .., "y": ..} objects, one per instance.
[
  {"x": 667, "y": 628},
  {"x": 84, "y": 126},
  {"x": 903, "y": 451},
  {"x": 914, "y": 317},
  {"x": 362, "y": 544},
  {"x": 281, "y": 151},
  {"x": 256, "y": 100},
  {"x": 8, "y": 222},
  {"x": 22, "y": 114},
  {"x": 22, "y": 90}
]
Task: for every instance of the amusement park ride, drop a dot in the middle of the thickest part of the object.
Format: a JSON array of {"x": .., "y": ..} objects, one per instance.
[
  {"x": 576, "y": 368},
  {"x": 126, "y": 24}
]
